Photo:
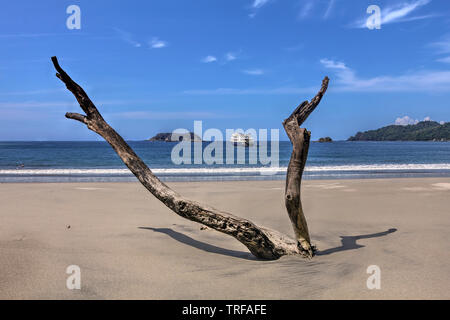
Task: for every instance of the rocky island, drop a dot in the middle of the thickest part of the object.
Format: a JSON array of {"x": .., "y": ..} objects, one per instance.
[
  {"x": 167, "y": 137},
  {"x": 326, "y": 139}
]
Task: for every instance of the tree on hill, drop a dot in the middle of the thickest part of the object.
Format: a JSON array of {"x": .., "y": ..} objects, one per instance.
[{"x": 422, "y": 131}]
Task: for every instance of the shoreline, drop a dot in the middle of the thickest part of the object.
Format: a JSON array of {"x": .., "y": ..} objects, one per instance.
[
  {"x": 130, "y": 246},
  {"x": 353, "y": 172},
  {"x": 214, "y": 180}
]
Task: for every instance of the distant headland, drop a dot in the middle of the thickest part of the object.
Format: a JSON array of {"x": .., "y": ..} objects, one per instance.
[{"x": 422, "y": 131}]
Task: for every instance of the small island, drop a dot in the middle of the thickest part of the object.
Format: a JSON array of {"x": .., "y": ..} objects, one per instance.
[
  {"x": 422, "y": 131},
  {"x": 326, "y": 139},
  {"x": 167, "y": 137}
]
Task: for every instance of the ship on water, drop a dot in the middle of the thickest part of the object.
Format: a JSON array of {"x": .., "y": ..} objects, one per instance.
[{"x": 240, "y": 139}]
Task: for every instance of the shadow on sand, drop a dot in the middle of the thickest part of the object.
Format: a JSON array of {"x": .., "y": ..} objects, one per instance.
[
  {"x": 202, "y": 245},
  {"x": 349, "y": 242}
]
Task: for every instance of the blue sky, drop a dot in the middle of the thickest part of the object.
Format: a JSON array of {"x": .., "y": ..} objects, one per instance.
[{"x": 153, "y": 66}]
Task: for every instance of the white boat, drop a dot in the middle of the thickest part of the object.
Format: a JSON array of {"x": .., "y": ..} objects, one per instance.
[{"x": 240, "y": 139}]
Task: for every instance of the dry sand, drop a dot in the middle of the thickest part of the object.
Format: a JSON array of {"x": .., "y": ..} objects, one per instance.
[{"x": 129, "y": 246}]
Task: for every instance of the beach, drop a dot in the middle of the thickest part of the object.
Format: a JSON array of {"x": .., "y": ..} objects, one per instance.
[{"x": 128, "y": 245}]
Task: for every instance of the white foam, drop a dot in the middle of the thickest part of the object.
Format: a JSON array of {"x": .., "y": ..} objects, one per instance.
[{"x": 229, "y": 170}]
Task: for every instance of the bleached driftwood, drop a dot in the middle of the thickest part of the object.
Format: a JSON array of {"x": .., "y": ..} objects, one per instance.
[{"x": 262, "y": 242}]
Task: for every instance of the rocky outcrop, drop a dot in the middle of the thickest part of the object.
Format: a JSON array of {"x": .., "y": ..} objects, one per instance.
[
  {"x": 326, "y": 139},
  {"x": 167, "y": 137}
]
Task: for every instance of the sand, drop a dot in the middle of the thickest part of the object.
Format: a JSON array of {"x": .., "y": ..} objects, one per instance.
[{"x": 130, "y": 246}]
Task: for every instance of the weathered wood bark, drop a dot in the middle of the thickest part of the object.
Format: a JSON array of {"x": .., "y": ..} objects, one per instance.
[
  {"x": 262, "y": 242},
  {"x": 299, "y": 138}
]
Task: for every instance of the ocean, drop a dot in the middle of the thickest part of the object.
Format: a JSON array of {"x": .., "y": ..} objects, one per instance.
[{"x": 97, "y": 162}]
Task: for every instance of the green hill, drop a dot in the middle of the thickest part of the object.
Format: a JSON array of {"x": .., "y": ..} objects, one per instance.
[{"x": 422, "y": 131}]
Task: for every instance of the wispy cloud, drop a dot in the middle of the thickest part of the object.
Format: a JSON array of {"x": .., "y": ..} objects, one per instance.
[
  {"x": 259, "y": 3},
  {"x": 442, "y": 46},
  {"x": 254, "y": 72},
  {"x": 230, "y": 56},
  {"x": 209, "y": 59},
  {"x": 127, "y": 37},
  {"x": 35, "y": 104},
  {"x": 154, "y": 115},
  {"x": 393, "y": 14},
  {"x": 55, "y": 104},
  {"x": 31, "y": 92},
  {"x": 344, "y": 74},
  {"x": 444, "y": 60},
  {"x": 345, "y": 79},
  {"x": 398, "y": 13},
  {"x": 333, "y": 64},
  {"x": 172, "y": 115},
  {"x": 251, "y": 91},
  {"x": 30, "y": 35},
  {"x": 330, "y": 8},
  {"x": 157, "y": 44},
  {"x": 306, "y": 9},
  {"x": 420, "y": 81},
  {"x": 295, "y": 48},
  {"x": 256, "y": 5}
]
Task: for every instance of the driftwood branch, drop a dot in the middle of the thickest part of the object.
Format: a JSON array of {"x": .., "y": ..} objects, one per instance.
[
  {"x": 262, "y": 242},
  {"x": 299, "y": 138}
]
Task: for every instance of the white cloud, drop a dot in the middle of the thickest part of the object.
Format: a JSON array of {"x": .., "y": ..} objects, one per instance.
[
  {"x": 333, "y": 64},
  {"x": 29, "y": 35},
  {"x": 35, "y": 104},
  {"x": 254, "y": 72},
  {"x": 32, "y": 92},
  {"x": 43, "y": 104},
  {"x": 230, "y": 56},
  {"x": 404, "y": 121},
  {"x": 444, "y": 60},
  {"x": 256, "y": 5},
  {"x": 158, "y": 44},
  {"x": 442, "y": 122},
  {"x": 420, "y": 81},
  {"x": 259, "y": 3},
  {"x": 209, "y": 59},
  {"x": 442, "y": 46},
  {"x": 343, "y": 73},
  {"x": 398, "y": 13},
  {"x": 150, "y": 115},
  {"x": 252, "y": 91},
  {"x": 346, "y": 80},
  {"x": 329, "y": 9},
  {"x": 127, "y": 37},
  {"x": 391, "y": 14},
  {"x": 306, "y": 9}
]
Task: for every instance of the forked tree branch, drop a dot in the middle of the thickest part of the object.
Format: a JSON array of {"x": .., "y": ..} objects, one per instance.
[
  {"x": 262, "y": 242},
  {"x": 300, "y": 139}
]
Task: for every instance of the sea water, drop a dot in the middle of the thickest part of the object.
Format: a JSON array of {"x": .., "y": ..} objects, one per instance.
[{"x": 96, "y": 161}]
